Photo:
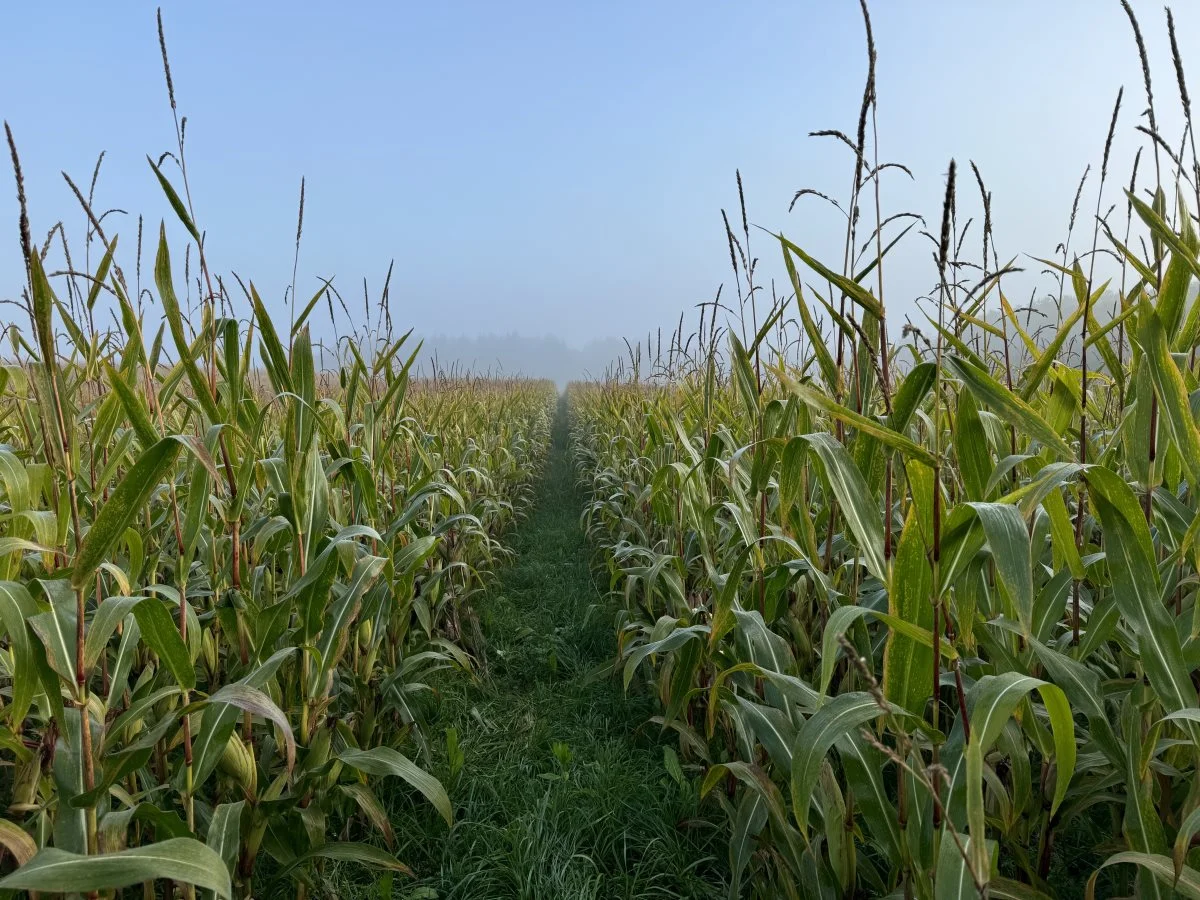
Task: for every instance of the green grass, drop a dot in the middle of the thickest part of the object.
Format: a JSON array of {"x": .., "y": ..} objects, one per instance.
[{"x": 610, "y": 822}]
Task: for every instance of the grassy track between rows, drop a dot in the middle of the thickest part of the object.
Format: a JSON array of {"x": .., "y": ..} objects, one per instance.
[{"x": 563, "y": 793}]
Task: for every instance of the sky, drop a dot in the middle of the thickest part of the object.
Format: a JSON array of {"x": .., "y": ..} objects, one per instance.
[{"x": 551, "y": 168}]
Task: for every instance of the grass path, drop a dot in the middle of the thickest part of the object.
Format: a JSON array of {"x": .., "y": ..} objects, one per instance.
[{"x": 563, "y": 793}]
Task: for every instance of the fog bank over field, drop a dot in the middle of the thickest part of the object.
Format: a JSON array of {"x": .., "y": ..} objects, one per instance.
[
  {"x": 552, "y": 357},
  {"x": 547, "y": 356}
]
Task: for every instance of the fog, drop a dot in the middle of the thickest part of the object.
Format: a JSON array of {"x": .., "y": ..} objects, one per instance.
[{"x": 513, "y": 354}]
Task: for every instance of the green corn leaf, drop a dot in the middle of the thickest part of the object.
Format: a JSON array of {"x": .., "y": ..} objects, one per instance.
[
  {"x": 43, "y": 312},
  {"x": 954, "y": 879},
  {"x": 847, "y": 286},
  {"x": 1034, "y": 375},
  {"x": 386, "y": 761},
  {"x": 1164, "y": 233},
  {"x": 16, "y": 481},
  {"x": 1005, "y": 532},
  {"x": 911, "y": 394},
  {"x": 842, "y": 619},
  {"x": 957, "y": 344},
  {"x": 219, "y": 719},
  {"x": 893, "y": 439},
  {"x": 1008, "y": 889},
  {"x": 907, "y": 664},
  {"x": 308, "y": 307},
  {"x": 234, "y": 376},
  {"x": 101, "y": 273},
  {"x": 971, "y": 448},
  {"x": 760, "y": 724},
  {"x": 109, "y": 614},
  {"x": 1183, "y": 841},
  {"x": 866, "y": 774},
  {"x": 755, "y": 779},
  {"x": 126, "y": 758},
  {"x": 224, "y": 832},
  {"x": 134, "y": 409},
  {"x": 1134, "y": 575},
  {"x": 122, "y": 664},
  {"x": 16, "y": 608},
  {"x": 1172, "y": 393},
  {"x": 163, "y": 279},
  {"x": 254, "y": 701},
  {"x": 1013, "y": 409},
  {"x": 1155, "y": 864},
  {"x": 178, "y": 859},
  {"x": 840, "y": 716},
  {"x": 816, "y": 340},
  {"x": 274, "y": 355},
  {"x": 161, "y": 634},
  {"x": 124, "y": 503},
  {"x": 992, "y": 700},
  {"x": 673, "y": 641},
  {"x": 70, "y": 822},
  {"x": 56, "y": 630},
  {"x": 748, "y": 824},
  {"x": 1178, "y": 276},
  {"x": 1081, "y": 684},
  {"x": 854, "y": 499},
  {"x": 414, "y": 554},
  {"x": 1062, "y": 533},
  {"x": 1142, "y": 825},
  {"x": 175, "y": 201},
  {"x": 341, "y": 614}
]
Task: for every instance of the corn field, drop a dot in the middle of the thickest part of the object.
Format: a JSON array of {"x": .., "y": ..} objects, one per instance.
[
  {"x": 225, "y": 578},
  {"x": 918, "y": 612},
  {"x": 221, "y": 603},
  {"x": 918, "y": 609}
]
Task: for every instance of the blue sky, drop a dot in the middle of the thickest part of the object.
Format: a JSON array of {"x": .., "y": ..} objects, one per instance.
[{"x": 560, "y": 167}]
